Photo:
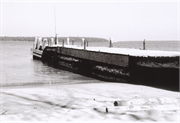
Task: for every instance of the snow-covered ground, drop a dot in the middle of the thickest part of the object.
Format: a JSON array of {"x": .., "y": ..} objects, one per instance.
[
  {"x": 128, "y": 51},
  {"x": 89, "y": 102}
]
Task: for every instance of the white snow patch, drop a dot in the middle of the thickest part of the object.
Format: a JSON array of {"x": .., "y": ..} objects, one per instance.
[{"x": 129, "y": 51}]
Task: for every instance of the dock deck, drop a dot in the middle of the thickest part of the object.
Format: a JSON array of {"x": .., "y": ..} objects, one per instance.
[{"x": 127, "y": 51}]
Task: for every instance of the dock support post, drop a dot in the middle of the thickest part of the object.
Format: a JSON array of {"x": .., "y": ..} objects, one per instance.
[
  {"x": 52, "y": 41},
  {"x": 40, "y": 43},
  {"x": 82, "y": 43},
  {"x": 67, "y": 41},
  {"x": 63, "y": 43},
  {"x": 35, "y": 42},
  {"x": 144, "y": 45},
  {"x": 56, "y": 39},
  {"x": 72, "y": 42},
  {"x": 85, "y": 45},
  {"x": 49, "y": 40},
  {"x": 110, "y": 42},
  {"x": 45, "y": 43}
]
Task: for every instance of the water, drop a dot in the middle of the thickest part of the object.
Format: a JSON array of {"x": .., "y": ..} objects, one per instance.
[
  {"x": 18, "y": 67},
  {"x": 150, "y": 45}
]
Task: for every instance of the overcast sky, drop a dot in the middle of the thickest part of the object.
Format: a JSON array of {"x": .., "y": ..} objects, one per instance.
[{"x": 120, "y": 20}]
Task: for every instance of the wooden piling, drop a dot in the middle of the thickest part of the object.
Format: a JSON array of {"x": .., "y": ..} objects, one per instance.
[
  {"x": 67, "y": 41},
  {"x": 110, "y": 42},
  {"x": 72, "y": 42},
  {"x": 82, "y": 43},
  {"x": 85, "y": 45},
  {"x": 144, "y": 45},
  {"x": 63, "y": 43},
  {"x": 52, "y": 41},
  {"x": 56, "y": 39}
]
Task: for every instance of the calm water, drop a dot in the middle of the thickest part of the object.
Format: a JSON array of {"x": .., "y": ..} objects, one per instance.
[
  {"x": 18, "y": 67},
  {"x": 151, "y": 45}
]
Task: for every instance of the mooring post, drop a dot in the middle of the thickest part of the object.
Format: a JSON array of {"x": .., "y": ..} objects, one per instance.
[
  {"x": 144, "y": 45},
  {"x": 52, "y": 41},
  {"x": 63, "y": 43},
  {"x": 72, "y": 42},
  {"x": 48, "y": 42},
  {"x": 40, "y": 43},
  {"x": 110, "y": 42},
  {"x": 87, "y": 43},
  {"x": 45, "y": 41},
  {"x": 82, "y": 43},
  {"x": 35, "y": 43},
  {"x": 67, "y": 41},
  {"x": 56, "y": 39}
]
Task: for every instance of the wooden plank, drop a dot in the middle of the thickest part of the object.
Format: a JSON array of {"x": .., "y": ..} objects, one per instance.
[
  {"x": 109, "y": 58},
  {"x": 36, "y": 51},
  {"x": 37, "y": 55}
]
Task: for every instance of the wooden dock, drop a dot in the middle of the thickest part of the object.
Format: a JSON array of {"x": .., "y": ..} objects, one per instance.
[
  {"x": 121, "y": 57},
  {"x": 157, "y": 67},
  {"x": 97, "y": 56}
]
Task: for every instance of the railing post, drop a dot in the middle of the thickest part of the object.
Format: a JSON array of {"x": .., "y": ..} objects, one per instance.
[
  {"x": 72, "y": 42},
  {"x": 40, "y": 43},
  {"x": 144, "y": 45},
  {"x": 63, "y": 43},
  {"x": 52, "y": 41},
  {"x": 67, "y": 41},
  {"x": 110, "y": 42},
  {"x": 35, "y": 43},
  {"x": 49, "y": 41},
  {"x": 85, "y": 45},
  {"x": 82, "y": 43},
  {"x": 44, "y": 44},
  {"x": 56, "y": 39}
]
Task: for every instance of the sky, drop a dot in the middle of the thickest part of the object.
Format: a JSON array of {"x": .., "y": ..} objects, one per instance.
[{"x": 121, "y": 20}]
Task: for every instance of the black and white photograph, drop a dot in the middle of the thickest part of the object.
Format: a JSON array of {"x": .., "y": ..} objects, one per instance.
[{"x": 89, "y": 61}]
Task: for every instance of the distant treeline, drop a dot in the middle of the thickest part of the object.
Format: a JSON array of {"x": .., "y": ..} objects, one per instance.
[
  {"x": 7, "y": 38},
  {"x": 75, "y": 39}
]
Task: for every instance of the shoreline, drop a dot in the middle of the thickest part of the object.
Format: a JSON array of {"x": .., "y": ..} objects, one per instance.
[{"x": 89, "y": 102}]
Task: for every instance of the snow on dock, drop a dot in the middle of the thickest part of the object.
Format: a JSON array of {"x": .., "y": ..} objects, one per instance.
[
  {"x": 137, "y": 52},
  {"x": 128, "y": 51}
]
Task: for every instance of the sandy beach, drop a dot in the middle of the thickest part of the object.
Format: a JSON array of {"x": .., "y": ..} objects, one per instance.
[{"x": 89, "y": 102}]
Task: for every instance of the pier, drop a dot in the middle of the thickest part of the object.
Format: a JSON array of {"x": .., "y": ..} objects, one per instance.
[{"x": 116, "y": 64}]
